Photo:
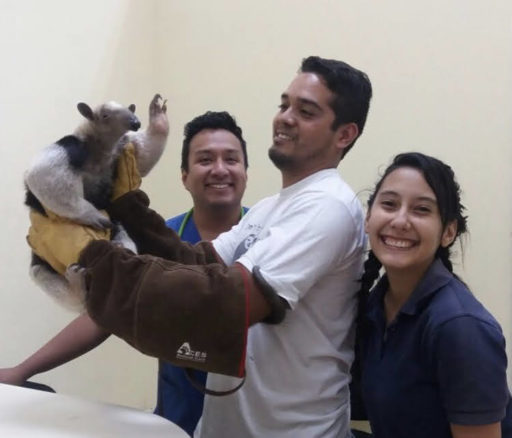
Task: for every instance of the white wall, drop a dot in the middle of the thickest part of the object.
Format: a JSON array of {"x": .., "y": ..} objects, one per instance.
[
  {"x": 56, "y": 53},
  {"x": 442, "y": 77}
]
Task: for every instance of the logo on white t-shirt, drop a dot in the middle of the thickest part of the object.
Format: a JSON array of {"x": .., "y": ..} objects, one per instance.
[{"x": 242, "y": 248}]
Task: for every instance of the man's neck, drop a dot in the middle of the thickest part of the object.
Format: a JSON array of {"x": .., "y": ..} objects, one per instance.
[
  {"x": 290, "y": 177},
  {"x": 210, "y": 222}
]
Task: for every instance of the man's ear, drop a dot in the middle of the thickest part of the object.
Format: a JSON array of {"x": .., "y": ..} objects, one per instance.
[
  {"x": 449, "y": 234},
  {"x": 346, "y": 135},
  {"x": 184, "y": 175}
]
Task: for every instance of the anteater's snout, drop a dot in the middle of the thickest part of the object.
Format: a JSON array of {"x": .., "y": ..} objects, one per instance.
[{"x": 134, "y": 124}]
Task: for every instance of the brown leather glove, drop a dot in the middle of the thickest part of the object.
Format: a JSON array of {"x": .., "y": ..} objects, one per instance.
[
  {"x": 191, "y": 316},
  {"x": 152, "y": 236}
]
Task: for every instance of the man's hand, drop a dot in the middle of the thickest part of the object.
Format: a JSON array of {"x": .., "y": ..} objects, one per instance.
[{"x": 12, "y": 376}]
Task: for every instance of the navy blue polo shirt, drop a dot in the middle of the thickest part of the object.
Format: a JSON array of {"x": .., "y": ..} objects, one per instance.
[{"x": 441, "y": 361}]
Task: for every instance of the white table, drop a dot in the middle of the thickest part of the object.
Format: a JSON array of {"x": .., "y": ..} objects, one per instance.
[{"x": 30, "y": 413}]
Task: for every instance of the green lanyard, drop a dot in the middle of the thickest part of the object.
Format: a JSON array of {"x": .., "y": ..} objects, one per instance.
[{"x": 185, "y": 220}]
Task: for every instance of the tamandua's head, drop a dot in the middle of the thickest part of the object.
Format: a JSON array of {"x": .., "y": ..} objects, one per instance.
[{"x": 111, "y": 120}]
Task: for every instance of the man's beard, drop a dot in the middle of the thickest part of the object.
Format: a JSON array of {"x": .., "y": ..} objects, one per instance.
[{"x": 280, "y": 160}]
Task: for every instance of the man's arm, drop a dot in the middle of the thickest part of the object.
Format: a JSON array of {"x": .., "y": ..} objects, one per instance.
[
  {"x": 152, "y": 236},
  {"x": 190, "y": 315},
  {"x": 76, "y": 339}
]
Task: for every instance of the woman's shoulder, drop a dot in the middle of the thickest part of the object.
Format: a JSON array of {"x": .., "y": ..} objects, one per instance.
[{"x": 454, "y": 302}]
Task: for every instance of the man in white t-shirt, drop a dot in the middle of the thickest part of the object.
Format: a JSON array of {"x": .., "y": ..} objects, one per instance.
[{"x": 289, "y": 270}]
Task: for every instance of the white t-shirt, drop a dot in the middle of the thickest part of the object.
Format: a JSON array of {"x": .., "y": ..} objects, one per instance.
[{"x": 308, "y": 241}]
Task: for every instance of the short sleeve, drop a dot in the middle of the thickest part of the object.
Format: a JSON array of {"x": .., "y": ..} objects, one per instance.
[
  {"x": 471, "y": 365},
  {"x": 310, "y": 240},
  {"x": 225, "y": 243}
]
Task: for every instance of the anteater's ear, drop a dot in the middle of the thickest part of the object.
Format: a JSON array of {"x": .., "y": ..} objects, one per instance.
[
  {"x": 85, "y": 110},
  {"x": 132, "y": 108}
]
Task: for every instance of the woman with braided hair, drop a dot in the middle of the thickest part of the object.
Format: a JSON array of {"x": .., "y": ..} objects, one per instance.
[{"x": 433, "y": 358}]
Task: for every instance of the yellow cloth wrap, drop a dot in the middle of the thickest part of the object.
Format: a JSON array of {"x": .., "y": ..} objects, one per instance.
[
  {"x": 59, "y": 240},
  {"x": 128, "y": 176}
]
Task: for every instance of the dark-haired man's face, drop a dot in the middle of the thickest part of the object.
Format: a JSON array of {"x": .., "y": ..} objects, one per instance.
[
  {"x": 216, "y": 175},
  {"x": 303, "y": 141}
]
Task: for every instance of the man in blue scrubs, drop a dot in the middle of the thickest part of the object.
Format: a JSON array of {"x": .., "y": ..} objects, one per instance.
[{"x": 213, "y": 166}]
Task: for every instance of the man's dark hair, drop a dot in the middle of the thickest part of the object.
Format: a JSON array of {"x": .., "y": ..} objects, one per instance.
[
  {"x": 351, "y": 87},
  {"x": 211, "y": 120}
]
